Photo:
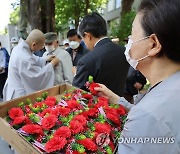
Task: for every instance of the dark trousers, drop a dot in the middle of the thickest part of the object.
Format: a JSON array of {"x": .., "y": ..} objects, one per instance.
[{"x": 3, "y": 77}]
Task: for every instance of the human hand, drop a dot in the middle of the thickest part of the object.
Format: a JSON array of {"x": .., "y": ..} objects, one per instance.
[
  {"x": 55, "y": 62},
  {"x": 105, "y": 92},
  {"x": 50, "y": 58},
  {"x": 1, "y": 69},
  {"x": 138, "y": 85},
  {"x": 74, "y": 69}
]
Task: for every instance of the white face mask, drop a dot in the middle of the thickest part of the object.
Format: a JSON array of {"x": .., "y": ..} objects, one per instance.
[
  {"x": 74, "y": 44},
  {"x": 50, "y": 48},
  {"x": 13, "y": 45},
  {"x": 131, "y": 61}
]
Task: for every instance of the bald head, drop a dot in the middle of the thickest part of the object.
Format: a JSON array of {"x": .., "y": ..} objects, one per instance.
[{"x": 35, "y": 40}]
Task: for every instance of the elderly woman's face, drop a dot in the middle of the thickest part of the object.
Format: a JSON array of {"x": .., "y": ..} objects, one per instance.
[{"x": 140, "y": 47}]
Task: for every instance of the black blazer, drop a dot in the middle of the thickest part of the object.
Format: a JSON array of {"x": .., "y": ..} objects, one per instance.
[
  {"x": 81, "y": 52},
  {"x": 107, "y": 64}
]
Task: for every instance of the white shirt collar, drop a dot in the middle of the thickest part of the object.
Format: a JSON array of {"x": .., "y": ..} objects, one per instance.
[{"x": 100, "y": 40}]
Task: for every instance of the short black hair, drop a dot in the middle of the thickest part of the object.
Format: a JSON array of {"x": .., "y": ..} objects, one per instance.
[
  {"x": 161, "y": 17},
  {"x": 73, "y": 32},
  {"x": 94, "y": 24},
  {"x": 0, "y": 44}
]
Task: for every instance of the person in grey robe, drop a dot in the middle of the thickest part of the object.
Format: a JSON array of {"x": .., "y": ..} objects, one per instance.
[{"x": 29, "y": 73}]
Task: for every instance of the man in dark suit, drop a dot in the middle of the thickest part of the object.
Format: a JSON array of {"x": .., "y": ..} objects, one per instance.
[
  {"x": 76, "y": 48},
  {"x": 106, "y": 62}
]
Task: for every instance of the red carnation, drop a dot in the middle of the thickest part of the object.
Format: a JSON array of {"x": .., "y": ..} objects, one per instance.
[
  {"x": 92, "y": 86},
  {"x": 102, "y": 102},
  {"x": 33, "y": 129},
  {"x": 64, "y": 111},
  {"x": 87, "y": 96},
  {"x": 51, "y": 98},
  {"x": 121, "y": 110},
  {"x": 48, "y": 110},
  {"x": 48, "y": 122},
  {"x": 50, "y": 101},
  {"x": 63, "y": 132},
  {"x": 72, "y": 104},
  {"x": 81, "y": 119},
  {"x": 15, "y": 112},
  {"x": 19, "y": 120},
  {"x": 111, "y": 111},
  {"x": 113, "y": 118},
  {"x": 76, "y": 127},
  {"x": 102, "y": 128},
  {"x": 55, "y": 112},
  {"x": 56, "y": 143},
  {"x": 88, "y": 144},
  {"x": 38, "y": 104},
  {"x": 90, "y": 113}
]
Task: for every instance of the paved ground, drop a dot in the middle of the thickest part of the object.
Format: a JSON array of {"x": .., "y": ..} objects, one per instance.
[{"x": 4, "y": 147}]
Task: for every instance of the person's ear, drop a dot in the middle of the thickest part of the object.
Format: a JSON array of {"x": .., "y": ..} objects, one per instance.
[
  {"x": 88, "y": 35},
  {"x": 34, "y": 44},
  {"x": 155, "y": 45}
]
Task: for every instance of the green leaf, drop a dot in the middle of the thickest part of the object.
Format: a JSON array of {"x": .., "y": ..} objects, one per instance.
[
  {"x": 90, "y": 79},
  {"x": 28, "y": 101},
  {"x": 44, "y": 95}
]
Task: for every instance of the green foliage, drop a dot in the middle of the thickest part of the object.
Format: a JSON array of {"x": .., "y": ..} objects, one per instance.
[
  {"x": 68, "y": 11},
  {"x": 14, "y": 16},
  {"x": 123, "y": 30}
]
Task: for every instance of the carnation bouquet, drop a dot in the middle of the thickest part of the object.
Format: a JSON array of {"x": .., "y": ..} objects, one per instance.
[{"x": 78, "y": 122}]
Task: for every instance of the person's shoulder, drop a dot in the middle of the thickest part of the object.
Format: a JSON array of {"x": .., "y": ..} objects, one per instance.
[{"x": 61, "y": 52}]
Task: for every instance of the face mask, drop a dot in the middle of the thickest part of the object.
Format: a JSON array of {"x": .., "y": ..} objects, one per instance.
[
  {"x": 66, "y": 48},
  {"x": 50, "y": 48},
  {"x": 74, "y": 44},
  {"x": 13, "y": 45},
  {"x": 131, "y": 61}
]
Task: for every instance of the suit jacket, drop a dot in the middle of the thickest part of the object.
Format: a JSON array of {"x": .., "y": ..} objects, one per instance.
[
  {"x": 106, "y": 63},
  {"x": 81, "y": 52}
]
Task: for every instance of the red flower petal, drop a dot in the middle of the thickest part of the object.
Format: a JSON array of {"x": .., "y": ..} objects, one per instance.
[
  {"x": 102, "y": 128},
  {"x": 81, "y": 119},
  {"x": 88, "y": 143},
  {"x": 92, "y": 86},
  {"x": 64, "y": 111},
  {"x": 56, "y": 143},
  {"x": 15, "y": 112},
  {"x": 33, "y": 129},
  {"x": 76, "y": 127},
  {"x": 48, "y": 122},
  {"x": 63, "y": 132}
]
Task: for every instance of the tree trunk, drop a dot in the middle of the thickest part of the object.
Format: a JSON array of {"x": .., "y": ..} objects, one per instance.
[
  {"x": 50, "y": 16},
  {"x": 40, "y": 14},
  {"x": 77, "y": 13},
  {"x": 86, "y": 7},
  {"x": 23, "y": 19},
  {"x": 126, "y": 6},
  {"x": 35, "y": 19}
]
